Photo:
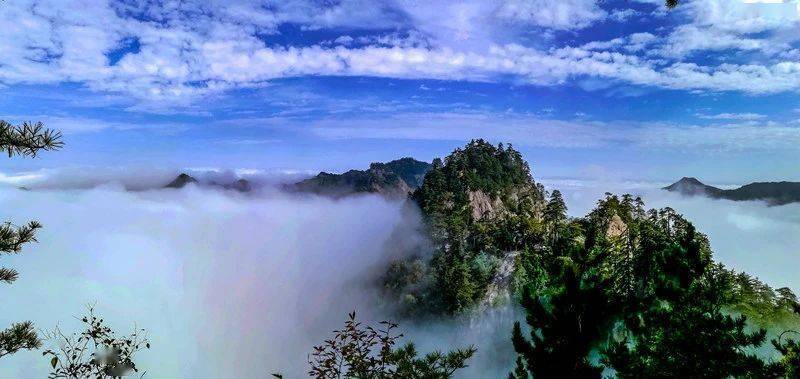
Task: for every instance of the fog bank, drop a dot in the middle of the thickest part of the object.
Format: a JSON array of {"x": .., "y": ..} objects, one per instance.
[
  {"x": 227, "y": 286},
  {"x": 233, "y": 285}
]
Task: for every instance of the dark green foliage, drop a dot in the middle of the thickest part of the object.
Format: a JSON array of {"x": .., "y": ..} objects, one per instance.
[
  {"x": 410, "y": 170},
  {"x": 638, "y": 289},
  {"x": 479, "y": 204},
  {"x": 789, "y": 364},
  {"x": 566, "y": 323},
  {"x": 556, "y": 209},
  {"x": 454, "y": 283},
  {"x": 18, "y": 337},
  {"x": 672, "y": 3},
  {"x": 761, "y": 303},
  {"x": 25, "y": 140},
  {"x": 669, "y": 328},
  {"x": 555, "y": 213},
  {"x": 359, "y": 351},
  {"x": 96, "y": 352},
  {"x": 480, "y": 166},
  {"x": 520, "y": 371},
  {"x": 623, "y": 288}
]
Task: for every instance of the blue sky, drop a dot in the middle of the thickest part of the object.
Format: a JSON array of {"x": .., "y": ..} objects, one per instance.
[{"x": 610, "y": 90}]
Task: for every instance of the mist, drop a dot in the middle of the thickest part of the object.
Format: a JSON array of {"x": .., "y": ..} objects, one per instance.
[
  {"x": 227, "y": 285},
  {"x": 140, "y": 178},
  {"x": 243, "y": 285}
]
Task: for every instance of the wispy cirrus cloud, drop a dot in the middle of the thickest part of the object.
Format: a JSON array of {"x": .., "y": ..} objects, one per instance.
[
  {"x": 733, "y": 116},
  {"x": 72, "y": 125},
  {"x": 739, "y": 133}
]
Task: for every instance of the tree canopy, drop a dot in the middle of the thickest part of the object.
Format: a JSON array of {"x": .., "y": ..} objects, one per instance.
[{"x": 639, "y": 290}]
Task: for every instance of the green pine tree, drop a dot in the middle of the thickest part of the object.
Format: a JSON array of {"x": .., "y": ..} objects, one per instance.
[
  {"x": 567, "y": 321},
  {"x": 676, "y": 310}
]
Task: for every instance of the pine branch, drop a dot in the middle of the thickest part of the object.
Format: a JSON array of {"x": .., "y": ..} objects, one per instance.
[
  {"x": 11, "y": 240},
  {"x": 13, "y": 237},
  {"x": 8, "y": 275},
  {"x": 28, "y": 139},
  {"x": 19, "y": 336}
]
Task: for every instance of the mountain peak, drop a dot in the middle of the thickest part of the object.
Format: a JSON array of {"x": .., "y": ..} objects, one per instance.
[
  {"x": 690, "y": 180},
  {"x": 693, "y": 186},
  {"x": 395, "y": 179},
  {"x": 181, "y": 181},
  {"x": 241, "y": 185},
  {"x": 774, "y": 193}
]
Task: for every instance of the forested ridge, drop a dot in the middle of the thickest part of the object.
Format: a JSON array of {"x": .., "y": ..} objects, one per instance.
[{"x": 624, "y": 289}]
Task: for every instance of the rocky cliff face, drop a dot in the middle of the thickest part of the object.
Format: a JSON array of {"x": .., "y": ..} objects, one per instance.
[
  {"x": 483, "y": 206},
  {"x": 473, "y": 203},
  {"x": 499, "y": 290},
  {"x": 616, "y": 227}
]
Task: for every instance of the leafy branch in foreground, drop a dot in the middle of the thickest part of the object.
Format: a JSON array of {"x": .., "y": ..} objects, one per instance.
[
  {"x": 96, "y": 352},
  {"x": 359, "y": 351},
  {"x": 28, "y": 139}
]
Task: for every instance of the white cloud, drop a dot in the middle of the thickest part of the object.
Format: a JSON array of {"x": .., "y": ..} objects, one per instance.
[
  {"x": 503, "y": 127},
  {"x": 725, "y": 24},
  {"x": 690, "y": 38},
  {"x": 733, "y": 116},
  {"x": 632, "y": 43},
  {"x": 71, "y": 125},
  {"x": 184, "y": 55},
  {"x": 558, "y": 14},
  {"x": 621, "y": 15},
  {"x": 736, "y": 132},
  {"x": 745, "y": 17},
  {"x": 746, "y": 136}
]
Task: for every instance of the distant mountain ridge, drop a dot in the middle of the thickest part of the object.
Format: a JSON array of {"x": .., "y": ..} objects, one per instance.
[
  {"x": 774, "y": 193},
  {"x": 182, "y": 180},
  {"x": 395, "y": 179}
]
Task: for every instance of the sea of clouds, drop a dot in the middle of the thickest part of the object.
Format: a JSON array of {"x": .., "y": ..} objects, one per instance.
[{"x": 243, "y": 285}]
